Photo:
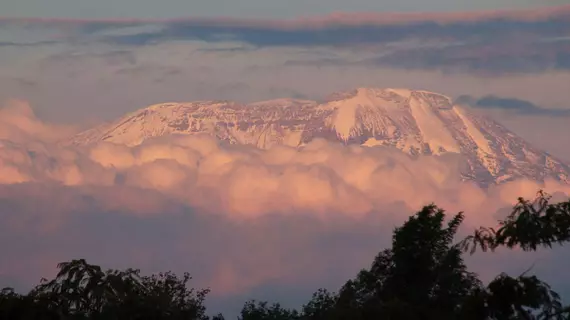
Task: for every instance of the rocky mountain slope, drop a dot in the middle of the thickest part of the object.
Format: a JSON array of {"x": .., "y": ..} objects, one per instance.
[{"x": 416, "y": 122}]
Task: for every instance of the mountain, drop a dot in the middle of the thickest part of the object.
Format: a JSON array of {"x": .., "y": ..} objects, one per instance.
[{"x": 416, "y": 122}]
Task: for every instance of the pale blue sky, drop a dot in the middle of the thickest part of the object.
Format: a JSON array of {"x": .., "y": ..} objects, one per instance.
[{"x": 242, "y": 8}]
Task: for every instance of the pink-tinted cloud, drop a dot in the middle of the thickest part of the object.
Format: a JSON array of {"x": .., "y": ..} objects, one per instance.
[
  {"x": 338, "y": 18},
  {"x": 19, "y": 123}
]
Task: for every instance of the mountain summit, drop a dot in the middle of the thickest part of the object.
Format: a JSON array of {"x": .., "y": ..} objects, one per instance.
[{"x": 416, "y": 122}]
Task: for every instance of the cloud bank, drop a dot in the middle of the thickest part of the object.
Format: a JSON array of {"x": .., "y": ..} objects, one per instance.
[
  {"x": 526, "y": 41},
  {"x": 510, "y": 104},
  {"x": 244, "y": 221}
]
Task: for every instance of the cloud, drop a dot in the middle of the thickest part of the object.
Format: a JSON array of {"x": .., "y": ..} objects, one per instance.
[
  {"x": 489, "y": 57},
  {"x": 25, "y": 44},
  {"x": 510, "y": 104},
  {"x": 18, "y": 123},
  {"x": 489, "y": 42},
  {"x": 242, "y": 220},
  {"x": 351, "y": 29},
  {"x": 110, "y": 58}
]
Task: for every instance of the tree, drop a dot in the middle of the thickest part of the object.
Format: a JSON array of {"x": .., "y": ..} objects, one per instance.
[
  {"x": 321, "y": 306},
  {"x": 84, "y": 291},
  {"x": 81, "y": 290},
  {"x": 422, "y": 276},
  {"x": 530, "y": 225},
  {"x": 24, "y": 307},
  {"x": 165, "y": 296},
  {"x": 253, "y": 310}
]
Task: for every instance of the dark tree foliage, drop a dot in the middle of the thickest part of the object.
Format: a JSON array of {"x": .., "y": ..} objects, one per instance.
[
  {"x": 167, "y": 297},
  {"x": 321, "y": 306},
  {"x": 84, "y": 291},
  {"x": 422, "y": 276},
  {"x": 253, "y": 310},
  {"x": 16, "y": 306},
  {"x": 531, "y": 224}
]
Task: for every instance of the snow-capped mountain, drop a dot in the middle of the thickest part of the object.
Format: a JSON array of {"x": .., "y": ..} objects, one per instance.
[{"x": 416, "y": 122}]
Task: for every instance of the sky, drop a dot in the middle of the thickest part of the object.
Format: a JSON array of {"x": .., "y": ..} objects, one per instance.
[
  {"x": 192, "y": 204},
  {"x": 246, "y": 8}
]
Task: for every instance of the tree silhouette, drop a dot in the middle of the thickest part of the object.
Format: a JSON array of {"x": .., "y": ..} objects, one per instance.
[
  {"x": 165, "y": 296},
  {"x": 253, "y": 310},
  {"x": 530, "y": 225},
  {"x": 422, "y": 276},
  {"x": 321, "y": 306},
  {"x": 84, "y": 291},
  {"x": 24, "y": 307}
]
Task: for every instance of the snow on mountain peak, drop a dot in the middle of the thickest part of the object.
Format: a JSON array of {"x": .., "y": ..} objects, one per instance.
[{"x": 414, "y": 121}]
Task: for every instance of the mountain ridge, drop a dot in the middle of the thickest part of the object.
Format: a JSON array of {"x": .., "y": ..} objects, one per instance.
[{"x": 417, "y": 122}]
